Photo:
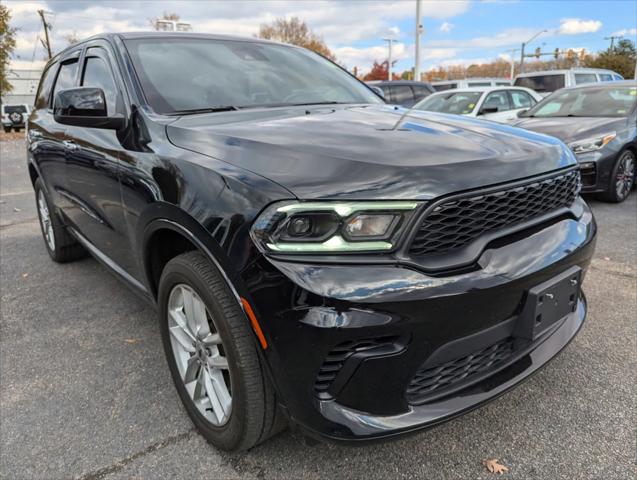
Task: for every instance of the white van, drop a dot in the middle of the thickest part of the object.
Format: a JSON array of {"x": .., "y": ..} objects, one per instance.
[
  {"x": 550, "y": 80},
  {"x": 470, "y": 83}
]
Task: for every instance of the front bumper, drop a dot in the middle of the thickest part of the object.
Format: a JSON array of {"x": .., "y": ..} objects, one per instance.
[
  {"x": 346, "y": 341},
  {"x": 596, "y": 169}
]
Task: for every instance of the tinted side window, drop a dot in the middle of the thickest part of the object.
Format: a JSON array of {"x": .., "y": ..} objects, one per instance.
[
  {"x": 521, "y": 99},
  {"x": 401, "y": 94},
  {"x": 585, "y": 78},
  {"x": 44, "y": 90},
  {"x": 420, "y": 92},
  {"x": 66, "y": 76},
  {"x": 98, "y": 74},
  {"x": 541, "y": 83},
  {"x": 445, "y": 86},
  {"x": 605, "y": 77}
]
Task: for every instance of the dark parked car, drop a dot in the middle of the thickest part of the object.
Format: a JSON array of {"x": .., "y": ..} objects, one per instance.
[
  {"x": 403, "y": 92},
  {"x": 599, "y": 123},
  {"x": 316, "y": 257}
]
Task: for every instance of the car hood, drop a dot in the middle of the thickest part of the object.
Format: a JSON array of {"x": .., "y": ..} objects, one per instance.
[
  {"x": 570, "y": 129},
  {"x": 369, "y": 152}
]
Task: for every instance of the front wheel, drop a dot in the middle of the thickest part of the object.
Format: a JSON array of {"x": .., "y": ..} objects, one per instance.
[
  {"x": 622, "y": 178},
  {"x": 7, "y": 129},
  {"x": 213, "y": 356}
]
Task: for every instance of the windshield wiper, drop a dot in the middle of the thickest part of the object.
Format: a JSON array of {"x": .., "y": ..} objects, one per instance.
[{"x": 193, "y": 111}]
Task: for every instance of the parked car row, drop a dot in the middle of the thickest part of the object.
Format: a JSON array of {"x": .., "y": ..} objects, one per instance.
[{"x": 549, "y": 81}]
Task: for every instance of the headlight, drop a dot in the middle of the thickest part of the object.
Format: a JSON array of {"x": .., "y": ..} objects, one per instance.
[
  {"x": 591, "y": 144},
  {"x": 324, "y": 227}
]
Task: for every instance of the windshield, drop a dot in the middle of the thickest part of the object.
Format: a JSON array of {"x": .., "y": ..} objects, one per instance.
[
  {"x": 461, "y": 103},
  {"x": 182, "y": 74},
  {"x": 541, "y": 83},
  {"x": 9, "y": 109},
  {"x": 587, "y": 102}
]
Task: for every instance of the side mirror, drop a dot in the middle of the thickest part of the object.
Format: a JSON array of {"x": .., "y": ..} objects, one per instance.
[
  {"x": 486, "y": 110},
  {"x": 378, "y": 91},
  {"x": 522, "y": 112},
  {"x": 85, "y": 107}
]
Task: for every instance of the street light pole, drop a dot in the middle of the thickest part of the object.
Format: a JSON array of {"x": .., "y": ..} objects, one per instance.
[
  {"x": 389, "y": 69},
  {"x": 524, "y": 44},
  {"x": 419, "y": 29}
]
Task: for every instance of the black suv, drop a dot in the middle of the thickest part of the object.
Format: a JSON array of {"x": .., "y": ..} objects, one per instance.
[{"x": 316, "y": 257}]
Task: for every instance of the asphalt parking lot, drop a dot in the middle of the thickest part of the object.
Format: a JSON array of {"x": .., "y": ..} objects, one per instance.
[{"x": 86, "y": 393}]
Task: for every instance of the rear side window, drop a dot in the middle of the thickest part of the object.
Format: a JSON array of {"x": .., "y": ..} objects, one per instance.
[
  {"x": 498, "y": 101},
  {"x": 66, "y": 76},
  {"x": 479, "y": 84},
  {"x": 521, "y": 99},
  {"x": 541, "y": 83},
  {"x": 585, "y": 78},
  {"x": 605, "y": 77},
  {"x": 44, "y": 90},
  {"x": 420, "y": 92},
  {"x": 98, "y": 74}
]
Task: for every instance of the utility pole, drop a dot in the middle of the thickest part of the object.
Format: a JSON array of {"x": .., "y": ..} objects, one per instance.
[
  {"x": 512, "y": 52},
  {"x": 612, "y": 40},
  {"x": 47, "y": 43},
  {"x": 419, "y": 30},
  {"x": 524, "y": 44},
  {"x": 389, "y": 41}
]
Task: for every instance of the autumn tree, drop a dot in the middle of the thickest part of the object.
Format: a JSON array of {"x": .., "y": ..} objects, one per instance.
[
  {"x": 296, "y": 32},
  {"x": 621, "y": 59},
  {"x": 7, "y": 45},
  {"x": 379, "y": 71}
]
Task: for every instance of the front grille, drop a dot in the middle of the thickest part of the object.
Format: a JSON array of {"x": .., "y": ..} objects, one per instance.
[
  {"x": 337, "y": 357},
  {"x": 435, "y": 379},
  {"x": 458, "y": 222}
]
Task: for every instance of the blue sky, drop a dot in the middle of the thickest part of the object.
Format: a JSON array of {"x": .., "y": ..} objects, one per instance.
[{"x": 456, "y": 31}]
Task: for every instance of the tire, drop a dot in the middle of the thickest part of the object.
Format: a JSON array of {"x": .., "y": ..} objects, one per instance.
[
  {"x": 252, "y": 415},
  {"x": 7, "y": 129},
  {"x": 59, "y": 243},
  {"x": 622, "y": 178},
  {"x": 17, "y": 129}
]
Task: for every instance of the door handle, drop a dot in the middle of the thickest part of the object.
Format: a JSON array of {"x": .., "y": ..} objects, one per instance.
[{"x": 70, "y": 145}]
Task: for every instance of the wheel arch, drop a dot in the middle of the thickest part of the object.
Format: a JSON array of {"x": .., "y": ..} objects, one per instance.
[{"x": 164, "y": 221}]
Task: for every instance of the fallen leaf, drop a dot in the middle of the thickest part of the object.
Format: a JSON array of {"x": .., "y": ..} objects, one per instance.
[
  {"x": 25, "y": 275},
  {"x": 16, "y": 209},
  {"x": 494, "y": 467},
  {"x": 132, "y": 341}
]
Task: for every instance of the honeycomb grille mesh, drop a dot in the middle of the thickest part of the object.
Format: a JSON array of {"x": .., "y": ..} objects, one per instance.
[
  {"x": 456, "y": 223},
  {"x": 336, "y": 358},
  {"x": 435, "y": 379}
]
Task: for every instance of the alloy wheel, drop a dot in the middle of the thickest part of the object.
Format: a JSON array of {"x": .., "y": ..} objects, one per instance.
[
  {"x": 625, "y": 175},
  {"x": 199, "y": 354},
  {"x": 45, "y": 221}
]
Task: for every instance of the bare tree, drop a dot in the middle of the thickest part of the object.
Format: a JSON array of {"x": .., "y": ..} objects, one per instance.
[{"x": 296, "y": 32}]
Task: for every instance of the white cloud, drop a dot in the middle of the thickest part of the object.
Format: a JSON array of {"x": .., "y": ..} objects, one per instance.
[
  {"x": 510, "y": 36},
  {"x": 575, "y": 26},
  {"x": 446, "y": 27},
  {"x": 626, "y": 32},
  {"x": 341, "y": 24}
]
